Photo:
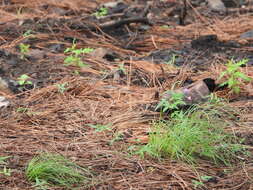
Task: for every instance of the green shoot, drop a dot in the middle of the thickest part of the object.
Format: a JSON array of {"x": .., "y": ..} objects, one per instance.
[
  {"x": 62, "y": 87},
  {"x": 74, "y": 57},
  {"x": 99, "y": 127},
  {"x": 174, "y": 102},
  {"x": 23, "y": 80},
  {"x": 28, "y": 33},
  {"x": 101, "y": 12},
  {"x": 172, "y": 60},
  {"x": 49, "y": 169},
  {"x": 5, "y": 171},
  {"x": 234, "y": 76},
  {"x": 24, "y": 50}
]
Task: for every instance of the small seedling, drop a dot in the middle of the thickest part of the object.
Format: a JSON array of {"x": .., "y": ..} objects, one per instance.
[
  {"x": 172, "y": 60},
  {"x": 74, "y": 57},
  {"x": 23, "y": 80},
  {"x": 99, "y": 127},
  {"x": 5, "y": 171},
  {"x": 22, "y": 110},
  {"x": 234, "y": 76},
  {"x": 3, "y": 158},
  {"x": 197, "y": 184},
  {"x": 28, "y": 33},
  {"x": 62, "y": 87},
  {"x": 122, "y": 68},
  {"x": 24, "y": 50},
  {"x": 165, "y": 26},
  {"x": 116, "y": 137},
  {"x": 175, "y": 100},
  {"x": 55, "y": 170},
  {"x": 101, "y": 12}
]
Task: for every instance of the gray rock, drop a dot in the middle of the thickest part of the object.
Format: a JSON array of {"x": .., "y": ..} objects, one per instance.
[
  {"x": 248, "y": 34},
  {"x": 4, "y": 102},
  {"x": 216, "y": 5}
]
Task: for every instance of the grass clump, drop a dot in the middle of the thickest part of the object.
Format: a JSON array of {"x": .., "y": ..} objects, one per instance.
[
  {"x": 188, "y": 136},
  {"x": 49, "y": 169}
]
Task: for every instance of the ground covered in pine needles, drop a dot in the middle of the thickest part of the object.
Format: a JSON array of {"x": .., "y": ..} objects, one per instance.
[{"x": 96, "y": 115}]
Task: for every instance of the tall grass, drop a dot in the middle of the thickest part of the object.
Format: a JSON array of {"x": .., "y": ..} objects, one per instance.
[
  {"x": 196, "y": 133},
  {"x": 49, "y": 169}
]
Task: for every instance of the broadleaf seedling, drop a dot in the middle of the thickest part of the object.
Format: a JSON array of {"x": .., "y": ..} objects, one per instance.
[
  {"x": 24, "y": 50},
  {"x": 74, "y": 57},
  {"x": 23, "y": 80},
  {"x": 234, "y": 77}
]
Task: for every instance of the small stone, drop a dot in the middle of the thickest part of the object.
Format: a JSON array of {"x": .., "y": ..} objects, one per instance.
[
  {"x": 216, "y": 5},
  {"x": 248, "y": 34},
  {"x": 4, "y": 102}
]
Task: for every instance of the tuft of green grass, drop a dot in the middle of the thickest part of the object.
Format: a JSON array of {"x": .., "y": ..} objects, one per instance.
[
  {"x": 195, "y": 134},
  {"x": 49, "y": 169}
]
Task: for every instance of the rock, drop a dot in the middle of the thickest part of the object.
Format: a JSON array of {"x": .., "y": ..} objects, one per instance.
[
  {"x": 194, "y": 93},
  {"x": 4, "y": 102},
  {"x": 248, "y": 34},
  {"x": 36, "y": 54},
  {"x": 216, "y": 5},
  {"x": 4, "y": 87}
]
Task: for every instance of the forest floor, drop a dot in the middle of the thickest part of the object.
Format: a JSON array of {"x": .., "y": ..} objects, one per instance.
[{"x": 158, "y": 44}]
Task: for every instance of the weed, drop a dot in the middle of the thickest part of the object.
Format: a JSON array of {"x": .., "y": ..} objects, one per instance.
[
  {"x": 49, "y": 169},
  {"x": 101, "y": 12},
  {"x": 122, "y": 68},
  {"x": 116, "y": 137},
  {"x": 22, "y": 110},
  {"x": 28, "y": 33},
  {"x": 99, "y": 127},
  {"x": 5, "y": 171},
  {"x": 174, "y": 102},
  {"x": 172, "y": 60},
  {"x": 165, "y": 26},
  {"x": 62, "y": 87},
  {"x": 196, "y": 133},
  {"x": 23, "y": 80},
  {"x": 75, "y": 55},
  {"x": 234, "y": 75},
  {"x": 200, "y": 183},
  {"x": 24, "y": 50}
]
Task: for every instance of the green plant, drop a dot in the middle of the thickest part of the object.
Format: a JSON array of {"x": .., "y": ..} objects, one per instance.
[
  {"x": 101, "y": 12},
  {"x": 195, "y": 134},
  {"x": 175, "y": 100},
  {"x": 199, "y": 183},
  {"x": 122, "y": 68},
  {"x": 24, "y": 49},
  {"x": 22, "y": 110},
  {"x": 99, "y": 127},
  {"x": 49, "y": 169},
  {"x": 23, "y": 80},
  {"x": 234, "y": 76},
  {"x": 5, "y": 171},
  {"x": 28, "y": 33},
  {"x": 62, "y": 87},
  {"x": 172, "y": 60},
  {"x": 74, "y": 57},
  {"x": 116, "y": 137}
]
